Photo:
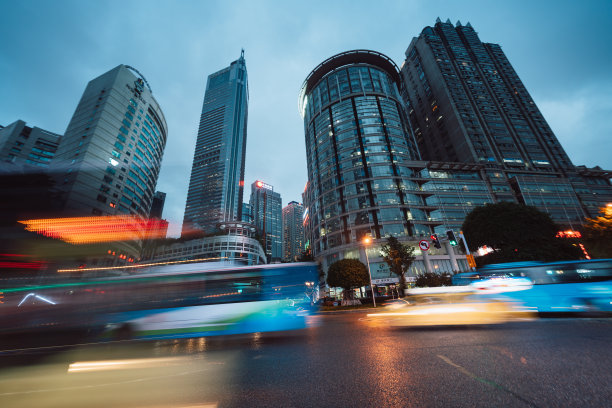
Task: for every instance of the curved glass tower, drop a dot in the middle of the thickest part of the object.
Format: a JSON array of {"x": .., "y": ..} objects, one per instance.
[{"x": 358, "y": 146}]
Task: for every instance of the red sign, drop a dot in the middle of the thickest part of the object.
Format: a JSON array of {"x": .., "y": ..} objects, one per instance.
[{"x": 424, "y": 245}]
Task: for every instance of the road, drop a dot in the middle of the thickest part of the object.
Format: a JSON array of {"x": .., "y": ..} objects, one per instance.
[{"x": 343, "y": 361}]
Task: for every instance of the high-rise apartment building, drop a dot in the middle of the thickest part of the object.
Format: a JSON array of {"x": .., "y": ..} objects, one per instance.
[
  {"x": 21, "y": 144},
  {"x": 293, "y": 231},
  {"x": 266, "y": 207},
  {"x": 217, "y": 176},
  {"x": 467, "y": 104}
]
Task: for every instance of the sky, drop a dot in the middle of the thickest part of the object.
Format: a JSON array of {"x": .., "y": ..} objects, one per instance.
[{"x": 50, "y": 50}]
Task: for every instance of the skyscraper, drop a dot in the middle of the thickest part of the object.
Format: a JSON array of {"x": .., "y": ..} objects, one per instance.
[
  {"x": 217, "y": 175},
  {"x": 293, "y": 231},
  {"x": 109, "y": 159},
  {"x": 467, "y": 104},
  {"x": 266, "y": 207},
  {"x": 357, "y": 145}
]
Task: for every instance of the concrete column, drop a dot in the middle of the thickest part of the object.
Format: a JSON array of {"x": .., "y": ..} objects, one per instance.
[{"x": 451, "y": 253}]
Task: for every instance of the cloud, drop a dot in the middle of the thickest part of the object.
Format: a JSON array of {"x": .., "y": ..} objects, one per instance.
[{"x": 581, "y": 121}]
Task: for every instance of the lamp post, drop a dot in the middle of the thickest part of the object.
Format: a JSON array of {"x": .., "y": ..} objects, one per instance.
[{"x": 366, "y": 242}]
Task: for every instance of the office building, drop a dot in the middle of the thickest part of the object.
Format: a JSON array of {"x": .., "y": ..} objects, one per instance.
[
  {"x": 364, "y": 173},
  {"x": 110, "y": 156},
  {"x": 21, "y": 144},
  {"x": 217, "y": 176},
  {"x": 293, "y": 231},
  {"x": 266, "y": 206},
  {"x": 467, "y": 104}
]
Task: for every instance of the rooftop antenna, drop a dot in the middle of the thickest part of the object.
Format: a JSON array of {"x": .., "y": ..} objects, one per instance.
[{"x": 242, "y": 53}]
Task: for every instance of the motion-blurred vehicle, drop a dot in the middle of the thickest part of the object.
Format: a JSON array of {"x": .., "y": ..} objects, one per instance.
[
  {"x": 442, "y": 306},
  {"x": 188, "y": 300},
  {"x": 564, "y": 286}
]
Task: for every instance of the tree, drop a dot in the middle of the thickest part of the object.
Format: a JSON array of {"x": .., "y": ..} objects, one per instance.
[
  {"x": 431, "y": 279},
  {"x": 347, "y": 274},
  {"x": 399, "y": 257},
  {"x": 598, "y": 234},
  {"x": 516, "y": 232}
]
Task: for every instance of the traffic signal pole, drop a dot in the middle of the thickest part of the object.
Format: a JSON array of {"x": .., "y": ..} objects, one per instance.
[{"x": 467, "y": 249}]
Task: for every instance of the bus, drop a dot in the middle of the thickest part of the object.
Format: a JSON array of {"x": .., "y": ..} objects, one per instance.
[
  {"x": 561, "y": 286},
  {"x": 189, "y": 300}
]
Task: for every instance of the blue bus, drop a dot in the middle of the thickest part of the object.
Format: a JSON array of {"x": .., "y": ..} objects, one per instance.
[
  {"x": 562, "y": 286},
  {"x": 160, "y": 302}
]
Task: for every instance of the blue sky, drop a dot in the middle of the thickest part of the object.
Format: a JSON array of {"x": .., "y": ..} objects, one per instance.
[{"x": 49, "y": 50}]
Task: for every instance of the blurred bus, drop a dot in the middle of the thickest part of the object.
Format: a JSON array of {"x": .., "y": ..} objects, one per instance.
[
  {"x": 175, "y": 301},
  {"x": 562, "y": 286}
]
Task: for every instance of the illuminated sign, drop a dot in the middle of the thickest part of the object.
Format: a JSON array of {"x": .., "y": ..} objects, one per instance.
[
  {"x": 261, "y": 184},
  {"x": 569, "y": 234}
]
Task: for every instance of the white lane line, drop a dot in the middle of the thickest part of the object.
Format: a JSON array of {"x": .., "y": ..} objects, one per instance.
[{"x": 484, "y": 381}]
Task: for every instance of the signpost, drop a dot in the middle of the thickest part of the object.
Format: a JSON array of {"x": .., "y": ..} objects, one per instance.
[{"x": 424, "y": 245}]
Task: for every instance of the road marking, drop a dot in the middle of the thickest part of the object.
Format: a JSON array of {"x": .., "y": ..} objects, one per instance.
[{"x": 484, "y": 381}]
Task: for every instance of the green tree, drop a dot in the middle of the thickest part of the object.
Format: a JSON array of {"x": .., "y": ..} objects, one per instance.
[
  {"x": 347, "y": 274},
  {"x": 598, "y": 234},
  {"x": 431, "y": 279},
  {"x": 516, "y": 232},
  {"x": 399, "y": 257}
]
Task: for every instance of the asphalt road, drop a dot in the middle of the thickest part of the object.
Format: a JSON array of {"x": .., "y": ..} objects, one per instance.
[{"x": 344, "y": 361}]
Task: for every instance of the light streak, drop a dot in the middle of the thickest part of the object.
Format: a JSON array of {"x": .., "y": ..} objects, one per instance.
[
  {"x": 88, "y": 230},
  {"x": 108, "y": 268},
  {"x": 36, "y": 296},
  {"x": 105, "y": 365}
]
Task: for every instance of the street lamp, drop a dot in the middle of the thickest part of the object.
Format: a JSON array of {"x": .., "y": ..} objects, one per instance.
[{"x": 367, "y": 241}]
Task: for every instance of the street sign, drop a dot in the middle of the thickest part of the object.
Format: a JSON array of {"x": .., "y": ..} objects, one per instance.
[{"x": 424, "y": 245}]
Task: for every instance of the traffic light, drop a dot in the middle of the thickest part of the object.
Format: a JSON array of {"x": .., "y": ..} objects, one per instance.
[
  {"x": 451, "y": 237},
  {"x": 434, "y": 240}
]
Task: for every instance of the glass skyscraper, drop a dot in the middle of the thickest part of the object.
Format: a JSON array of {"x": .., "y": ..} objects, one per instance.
[
  {"x": 217, "y": 175},
  {"x": 266, "y": 206},
  {"x": 357, "y": 145}
]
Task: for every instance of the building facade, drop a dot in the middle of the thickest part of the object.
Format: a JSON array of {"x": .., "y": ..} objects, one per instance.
[
  {"x": 364, "y": 173},
  {"x": 266, "y": 207},
  {"x": 467, "y": 104},
  {"x": 247, "y": 214},
  {"x": 109, "y": 159},
  {"x": 21, "y": 144},
  {"x": 235, "y": 244},
  {"x": 216, "y": 185},
  {"x": 293, "y": 231}
]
